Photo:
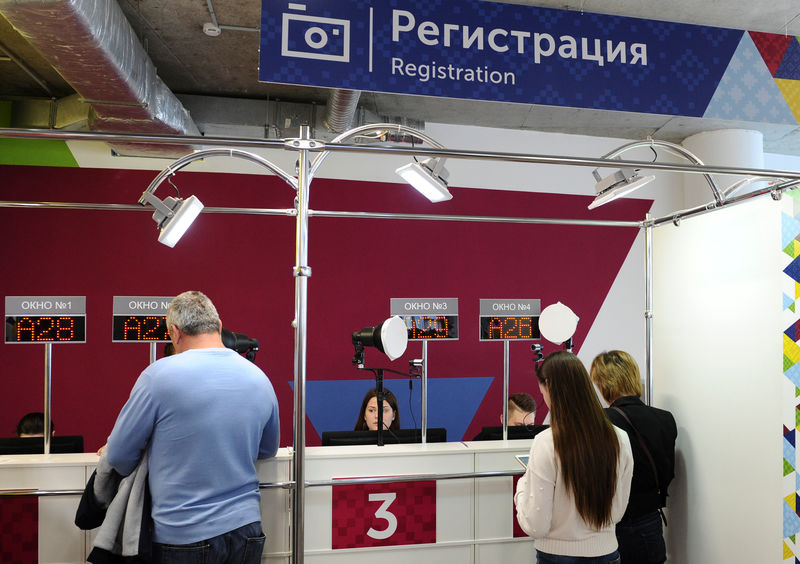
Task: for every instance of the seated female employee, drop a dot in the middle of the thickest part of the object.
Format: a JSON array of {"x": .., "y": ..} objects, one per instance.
[
  {"x": 368, "y": 416},
  {"x": 32, "y": 425}
]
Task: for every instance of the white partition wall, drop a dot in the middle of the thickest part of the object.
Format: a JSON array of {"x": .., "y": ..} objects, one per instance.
[
  {"x": 459, "y": 519},
  {"x": 717, "y": 367}
]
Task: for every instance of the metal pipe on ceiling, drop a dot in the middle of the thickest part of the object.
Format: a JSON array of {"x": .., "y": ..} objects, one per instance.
[
  {"x": 139, "y": 208},
  {"x": 776, "y": 191},
  {"x": 479, "y": 218},
  {"x": 290, "y": 212},
  {"x": 94, "y": 48},
  {"x": 27, "y": 70},
  {"x": 212, "y": 13},
  {"x": 401, "y": 151},
  {"x": 342, "y": 106}
]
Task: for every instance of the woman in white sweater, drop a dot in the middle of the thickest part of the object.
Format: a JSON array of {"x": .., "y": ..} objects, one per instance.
[{"x": 578, "y": 480}]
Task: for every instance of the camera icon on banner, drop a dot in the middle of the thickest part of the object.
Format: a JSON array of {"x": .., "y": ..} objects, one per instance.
[{"x": 314, "y": 37}]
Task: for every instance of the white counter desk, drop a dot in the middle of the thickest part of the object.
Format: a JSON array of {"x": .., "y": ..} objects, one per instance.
[{"x": 453, "y": 519}]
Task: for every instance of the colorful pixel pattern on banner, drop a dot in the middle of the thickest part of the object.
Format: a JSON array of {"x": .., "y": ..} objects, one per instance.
[
  {"x": 495, "y": 51},
  {"x": 790, "y": 233}
]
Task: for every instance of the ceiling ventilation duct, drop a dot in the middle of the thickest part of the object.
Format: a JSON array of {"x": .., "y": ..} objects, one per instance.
[
  {"x": 342, "y": 106},
  {"x": 92, "y": 45}
]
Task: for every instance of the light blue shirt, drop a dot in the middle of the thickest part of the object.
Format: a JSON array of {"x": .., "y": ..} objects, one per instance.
[{"x": 207, "y": 414}]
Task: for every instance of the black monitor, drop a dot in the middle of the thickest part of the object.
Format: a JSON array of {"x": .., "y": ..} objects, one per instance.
[
  {"x": 59, "y": 444},
  {"x": 404, "y": 436},
  {"x": 495, "y": 433}
]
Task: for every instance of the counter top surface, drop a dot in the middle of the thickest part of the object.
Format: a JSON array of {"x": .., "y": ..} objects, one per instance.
[{"x": 311, "y": 453}]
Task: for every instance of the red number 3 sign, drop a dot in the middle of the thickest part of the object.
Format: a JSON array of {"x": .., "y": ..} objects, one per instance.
[{"x": 384, "y": 514}]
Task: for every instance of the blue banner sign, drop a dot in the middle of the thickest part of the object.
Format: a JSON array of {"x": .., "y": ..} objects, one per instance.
[{"x": 483, "y": 50}]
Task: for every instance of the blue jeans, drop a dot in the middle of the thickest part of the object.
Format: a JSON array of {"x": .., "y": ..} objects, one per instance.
[
  {"x": 240, "y": 546},
  {"x": 545, "y": 558},
  {"x": 641, "y": 540}
]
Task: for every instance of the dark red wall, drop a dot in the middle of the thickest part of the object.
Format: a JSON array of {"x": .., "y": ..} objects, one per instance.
[{"x": 244, "y": 263}]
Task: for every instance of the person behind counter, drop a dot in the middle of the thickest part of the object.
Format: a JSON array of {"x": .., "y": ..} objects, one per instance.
[
  {"x": 652, "y": 430},
  {"x": 521, "y": 410},
  {"x": 32, "y": 425},
  {"x": 204, "y": 414},
  {"x": 570, "y": 506},
  {"x": 368, "y": 415}
]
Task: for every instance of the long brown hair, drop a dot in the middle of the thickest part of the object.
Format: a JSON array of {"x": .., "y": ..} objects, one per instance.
[
  {"x": 388, "y": 397},
  {"x": 585, "y": 442}
]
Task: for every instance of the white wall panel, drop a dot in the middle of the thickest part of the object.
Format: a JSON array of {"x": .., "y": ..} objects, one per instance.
[{"x": 717, "y": 365}]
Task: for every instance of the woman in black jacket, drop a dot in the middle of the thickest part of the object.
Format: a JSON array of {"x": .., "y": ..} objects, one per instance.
[{"x": 652, "y": 433}]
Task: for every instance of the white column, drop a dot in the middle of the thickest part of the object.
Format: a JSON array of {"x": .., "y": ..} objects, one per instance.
[
  {"x": 724, "y": 147},
  {"x": 717, "y": 366}
]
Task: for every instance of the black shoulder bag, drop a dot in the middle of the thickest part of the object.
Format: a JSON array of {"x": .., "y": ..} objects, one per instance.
[{"x": 649, "y": 457}]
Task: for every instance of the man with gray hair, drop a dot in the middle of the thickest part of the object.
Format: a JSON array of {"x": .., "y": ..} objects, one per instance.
[{"x": 204, "y": 415}]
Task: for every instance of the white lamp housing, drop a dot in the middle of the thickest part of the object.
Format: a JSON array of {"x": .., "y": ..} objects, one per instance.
[
  {"x": 390, "y": 337},
  {"x": 173, "y": 216},
  {"x": 428, "y": 177},
  {"x": 394, "y": 337},
  {"x": 557, "y": 323},
  {"x": 616, "y": 185}
]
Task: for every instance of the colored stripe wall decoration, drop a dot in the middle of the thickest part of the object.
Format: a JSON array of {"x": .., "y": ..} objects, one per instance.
[{"x": 790, "y": 245}]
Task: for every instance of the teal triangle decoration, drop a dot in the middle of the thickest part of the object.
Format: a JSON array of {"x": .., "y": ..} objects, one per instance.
[
  {"x": 788, "y": 301},
  {"x": 790, "y": 227},
  {"x": 793, "y": 374},
  {"x": 791, "y": 521}
]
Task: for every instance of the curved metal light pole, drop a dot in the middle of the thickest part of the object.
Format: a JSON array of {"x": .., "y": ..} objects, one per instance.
[
  {"x": 648, "y": 311},
  {"x": 373, "y": 128},
  {"x": 675, "y": 149},
  {"x": 301, "y": 272},
  {"x": 719, "y": 198},
  {"x": 190, "y": 158},
  {"x": 318, "y": 160}
]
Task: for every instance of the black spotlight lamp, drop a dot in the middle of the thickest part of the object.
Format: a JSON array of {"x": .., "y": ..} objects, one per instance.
[
  {"x": 390, "y": 337},
  {"x": 240, "y": 343}
]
